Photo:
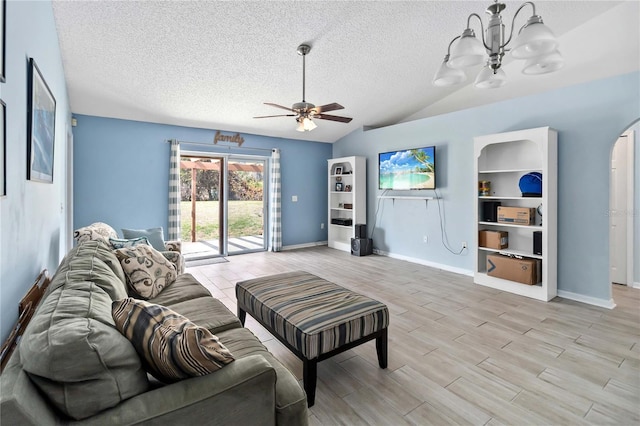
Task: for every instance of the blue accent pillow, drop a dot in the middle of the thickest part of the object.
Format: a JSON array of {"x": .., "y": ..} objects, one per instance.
[
  {"x": 118, "y": 243},
  {"x": 154, "y": 235}
]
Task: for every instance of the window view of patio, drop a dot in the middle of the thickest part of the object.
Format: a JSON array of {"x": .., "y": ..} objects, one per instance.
[{"x": 204, "y": 210}]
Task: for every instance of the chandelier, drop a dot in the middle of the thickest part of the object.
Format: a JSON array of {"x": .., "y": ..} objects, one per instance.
[{"x": 534, "y": 43}]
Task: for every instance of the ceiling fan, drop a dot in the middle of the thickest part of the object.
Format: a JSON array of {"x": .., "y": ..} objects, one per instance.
[{"x": 304, "y": 111}]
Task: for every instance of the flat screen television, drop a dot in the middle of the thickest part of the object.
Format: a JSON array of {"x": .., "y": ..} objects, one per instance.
[{"x": 407, "y": 169}]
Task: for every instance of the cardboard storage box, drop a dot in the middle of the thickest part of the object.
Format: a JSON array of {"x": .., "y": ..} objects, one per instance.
[
  {"x": 516, "y": 215},
  {"x": 525, "y": 271},
  {"x": 493, "y": 239}
]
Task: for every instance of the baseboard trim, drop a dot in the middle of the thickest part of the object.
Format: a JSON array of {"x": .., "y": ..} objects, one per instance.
[
  {"x": 305, "y": 245},
  {"x": 442, "y": 266},
  {"x": 636, "y": 284},
  {"x": 603, "y": 303}
]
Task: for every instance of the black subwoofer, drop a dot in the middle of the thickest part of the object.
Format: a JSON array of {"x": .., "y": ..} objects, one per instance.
[
  {"x": 361, "y": 230},
  {"x": 361, "y": 246}
]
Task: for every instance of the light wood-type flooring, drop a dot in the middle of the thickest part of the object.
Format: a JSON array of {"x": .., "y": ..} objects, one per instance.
[{"x": 460, "y": 353}]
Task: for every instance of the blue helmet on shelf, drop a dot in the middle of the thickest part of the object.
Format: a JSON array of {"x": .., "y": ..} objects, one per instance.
[{"x": 531, "y": 184}]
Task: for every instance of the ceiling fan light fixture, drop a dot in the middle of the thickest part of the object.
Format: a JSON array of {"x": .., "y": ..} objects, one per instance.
[
  {"x": 305, "y": 124},
  {"x": 304, "y": 111}
]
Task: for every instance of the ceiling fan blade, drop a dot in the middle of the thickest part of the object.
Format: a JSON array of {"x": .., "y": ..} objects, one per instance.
[
  {"x": 278, "y": 106},
  {"x": 328, "y": 107},
  {"x": 281, "y": 115},
  {"x": 333, "y": 118}
]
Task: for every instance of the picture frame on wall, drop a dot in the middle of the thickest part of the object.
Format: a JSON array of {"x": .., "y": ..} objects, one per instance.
[
  {"x": 41, "y": 122},
  {"x": 3, "y": 149},
  {"x": 3, "y": 13}
]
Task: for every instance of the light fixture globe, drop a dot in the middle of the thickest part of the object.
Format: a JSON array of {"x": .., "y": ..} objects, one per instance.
[
  {"x": 535, "y": 39},
  {"x": 490, "y": 78},
  {"x": 447, "y": 76},
  {"x": 466, "y": 51},
  {"x": 543, "y": 64}
]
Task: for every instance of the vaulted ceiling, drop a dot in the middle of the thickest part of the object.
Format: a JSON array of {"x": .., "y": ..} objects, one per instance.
[{"x": 213, "y": 64}]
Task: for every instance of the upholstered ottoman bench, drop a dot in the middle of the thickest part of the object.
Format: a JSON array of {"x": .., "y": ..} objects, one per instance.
[{"x": 314, "y": 318}]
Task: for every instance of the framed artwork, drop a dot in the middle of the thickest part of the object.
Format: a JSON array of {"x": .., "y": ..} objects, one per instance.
[
  {"x": 338, "y": 170},
  {"x": 41, "y": 122},
  {"x": 3, "y": 12},
  {"x": 3, "y": 149},
  {"x": 339, "y": 186}
]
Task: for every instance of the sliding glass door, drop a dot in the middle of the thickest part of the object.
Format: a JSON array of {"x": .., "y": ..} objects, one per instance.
[{"x": 223, "y": 205}]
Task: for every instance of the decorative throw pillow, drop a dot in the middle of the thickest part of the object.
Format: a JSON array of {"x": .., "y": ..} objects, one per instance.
[
  {"x": 176, "y": 258},
  {"x": 95, "y": 231},
  {"x": 118, "y": 243},
  {"x": 148, "y": 271},
  {"x": 170, "y": 346},
  {"x": 154, "y": 235}
]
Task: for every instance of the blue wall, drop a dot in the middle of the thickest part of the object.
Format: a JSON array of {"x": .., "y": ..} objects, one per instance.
[
  {"x": 588, "y": 117},
  {"x": 32, "y": 215},
  {"x": 121, "y": 175}
]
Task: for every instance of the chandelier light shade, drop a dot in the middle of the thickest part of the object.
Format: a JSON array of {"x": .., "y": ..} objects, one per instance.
[
  {"x": 490, "y": 78},
  {"x": 543, "y": 64},
  {"x": 466, "y": 51},
  {"x": 447, "y": 76},
  {"x": 535, "y": 39},
  {"x": 534, "y": 43}
]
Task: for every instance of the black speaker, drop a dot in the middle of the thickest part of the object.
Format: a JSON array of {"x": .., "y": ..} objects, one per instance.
[
  {"x": 490, "y": 211},
  {"x": 537, "y": 242},
  {"x": 361, "y": 230},
  {"x": 361, "y": 246}
]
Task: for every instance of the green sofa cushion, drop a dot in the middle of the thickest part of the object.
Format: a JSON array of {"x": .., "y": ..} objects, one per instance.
[{"x": 71, "y": 348}]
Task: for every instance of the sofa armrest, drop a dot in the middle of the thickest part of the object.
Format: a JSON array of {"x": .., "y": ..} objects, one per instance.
[
  {"x": 173, "y": 245},
  {"x": 241, "y": 393}
]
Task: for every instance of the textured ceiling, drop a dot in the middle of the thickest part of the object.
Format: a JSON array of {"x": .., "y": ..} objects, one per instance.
[{"x": 212, "y": 64}]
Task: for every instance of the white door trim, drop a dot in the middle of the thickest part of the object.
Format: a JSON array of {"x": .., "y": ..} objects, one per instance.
[{"x": 630, "y": 203}]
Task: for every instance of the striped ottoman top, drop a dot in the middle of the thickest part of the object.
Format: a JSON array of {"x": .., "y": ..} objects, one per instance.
[{"x": 312, "y": 314}]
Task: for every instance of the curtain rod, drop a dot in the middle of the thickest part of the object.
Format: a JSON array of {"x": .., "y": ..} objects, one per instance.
[{"x": 210, "y": 145}]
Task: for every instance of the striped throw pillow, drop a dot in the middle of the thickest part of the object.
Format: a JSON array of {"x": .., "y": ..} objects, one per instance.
[{"x": 171, "y": 347}]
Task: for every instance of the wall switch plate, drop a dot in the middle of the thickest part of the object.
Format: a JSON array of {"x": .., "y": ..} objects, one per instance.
[{"x": 294, "y": 198}]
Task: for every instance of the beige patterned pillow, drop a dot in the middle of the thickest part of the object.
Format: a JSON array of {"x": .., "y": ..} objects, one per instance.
[
  {"x": 95, "y": 231},
  {"x": 148, "y": 271},
  {"x": 171, "y": 347}
]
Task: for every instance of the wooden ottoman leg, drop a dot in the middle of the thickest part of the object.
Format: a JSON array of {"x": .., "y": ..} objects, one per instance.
[
  {"x": 381, "y": 348},
  {"x": 309, "y": 376},
  {"x": 242, "y": 315}
]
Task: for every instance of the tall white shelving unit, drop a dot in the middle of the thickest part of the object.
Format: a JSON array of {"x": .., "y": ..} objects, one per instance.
[
  {"x": 503, "y": 159},
  {"x": 353, "y": 174}
]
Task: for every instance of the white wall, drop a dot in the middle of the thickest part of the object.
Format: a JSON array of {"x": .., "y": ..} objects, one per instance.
[
  {"x": 588, "y": 118},
  {"x": 32, "y": 215}
]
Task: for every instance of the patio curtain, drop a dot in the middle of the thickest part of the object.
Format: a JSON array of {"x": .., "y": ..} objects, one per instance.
[
  {"x": 174, "y": 191},
  {"x": 275, "y": 242}
]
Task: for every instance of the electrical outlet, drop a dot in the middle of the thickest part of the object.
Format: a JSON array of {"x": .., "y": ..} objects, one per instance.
[
  {"x": 322, "y": 226},
  {"x": 425, "y": 239},
  {"x": 464, "y": 244}
]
